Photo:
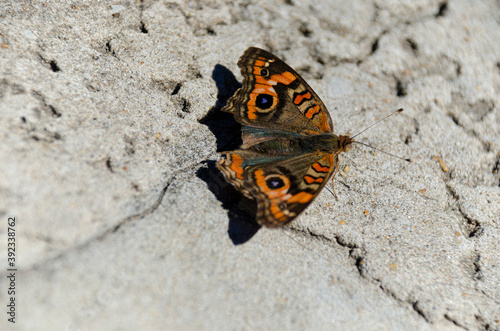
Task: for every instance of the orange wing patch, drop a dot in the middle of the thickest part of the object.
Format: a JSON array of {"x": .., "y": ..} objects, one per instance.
[
  {"x": 313, "y": 111},
  {"x": 319, "y": 168},
  {"x": 285, "y": 78},
  {"x": 301, "y": 97},
  {"x": 301, "y": 197},
  {"x": 235, "y": 166},
  {"x": 264, "y": 85},
  {"x": 311, "y": 179}
]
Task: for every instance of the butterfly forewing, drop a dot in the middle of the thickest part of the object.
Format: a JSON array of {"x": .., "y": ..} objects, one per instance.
[{"x": 273, "y": 95}]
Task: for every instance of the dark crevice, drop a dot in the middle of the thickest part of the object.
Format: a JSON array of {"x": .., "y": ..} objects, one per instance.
[
  {"x": 442, "y": 10},
  {"x": 53, "y": 111},
  {"x": 414, "y": 304},
  {"x": 413, "y": 45},
  {"x": 354, "y": 251},
  {"x": 454, "y": 118},
  {"x": 53, "y": 66},
  {"x": 211, "y": 31},
  {"x": 374, "y": 46},
  {"x": 484, "y": 325},
  {"x": 341, "y": 242},
  {"x": 108, "y": 46},
  {"x": 419, "y": 310},
  {"x": 486, "y": 145},
  {"x": 496, "y": 167},
  {"x": 186, "y": 105},
  {"x": 320, "y": 60},
  {"x": 306, "y": 69},
  {"x": 310, "y": 234},
  {"x": 359, "y": 265},
  {"x": 129, "y": 147},
  {"x": 474, "y": 227},
  {"x": 110, "y": 49},
  {"x": 176, "y": 89},
  {"x": 143, "y": 27},
  {"x": 108, "y": 164},
  {"x": 306, "y": 32},
  {"x": 454, "y": 321},
  {"x": 409, "y": 137},
  {"x": 401, "y": 89},
  {"x": 478, "y": 274},
  {"x": 47, "y": 136}
]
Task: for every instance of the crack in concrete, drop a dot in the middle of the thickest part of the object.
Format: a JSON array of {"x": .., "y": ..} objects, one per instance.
[
  {"x": 471, "y": 132},
  {"x": 475, "y": 227},
  {"x": 357, "y": 254},
  {"x": 476, "y": 230},
  {"x": 116, "y": 227},
  {"x": 51, "y": 109},
  {"x": 415, "y": 132},
  {"x": 478, "y": 274},
  {"x": 454, "y": 321},
  {"x": 142, "y": 26}
]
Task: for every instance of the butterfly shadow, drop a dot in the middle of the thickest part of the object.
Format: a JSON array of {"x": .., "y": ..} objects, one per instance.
[{"x": 241, "y": 211}]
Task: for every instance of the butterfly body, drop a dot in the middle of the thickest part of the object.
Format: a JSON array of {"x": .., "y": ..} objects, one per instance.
[
  {"x": 295, "y": 146},
  {"x": 289, "y": 150}
]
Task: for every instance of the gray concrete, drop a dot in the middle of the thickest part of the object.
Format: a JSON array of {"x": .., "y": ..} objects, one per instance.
[{"x": 109, "y": 130}]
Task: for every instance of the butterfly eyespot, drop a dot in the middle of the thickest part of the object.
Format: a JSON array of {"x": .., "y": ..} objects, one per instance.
[
  {"x": 274, "y": 183},
  {"x": 264, "y": 72},
  {"x": 264, "y": 101}
]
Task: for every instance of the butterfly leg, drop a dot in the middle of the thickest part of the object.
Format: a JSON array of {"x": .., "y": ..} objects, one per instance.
[{"x": 335, "y": 170}]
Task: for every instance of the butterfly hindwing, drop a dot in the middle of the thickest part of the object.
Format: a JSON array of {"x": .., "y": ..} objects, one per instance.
[{"x": 283, "y": 188}]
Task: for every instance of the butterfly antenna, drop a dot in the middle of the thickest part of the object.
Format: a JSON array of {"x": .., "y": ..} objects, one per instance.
[
  {"x": 396, "y": 112},
  {"x": 381, "y": 151}
]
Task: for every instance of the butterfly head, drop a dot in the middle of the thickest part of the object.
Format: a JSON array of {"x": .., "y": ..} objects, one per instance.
[{"x": 345, "y": 143}]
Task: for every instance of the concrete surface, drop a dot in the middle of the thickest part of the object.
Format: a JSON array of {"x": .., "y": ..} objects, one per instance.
[{"x": 110, "y": 129}]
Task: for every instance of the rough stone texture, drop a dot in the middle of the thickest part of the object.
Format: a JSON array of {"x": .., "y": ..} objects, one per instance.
[{"x": 110, "y": 129}]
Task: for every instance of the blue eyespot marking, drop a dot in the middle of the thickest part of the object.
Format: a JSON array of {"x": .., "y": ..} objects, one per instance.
[{"x": 264, "y": 101}]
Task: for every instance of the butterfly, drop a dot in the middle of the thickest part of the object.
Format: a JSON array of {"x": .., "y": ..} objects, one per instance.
[{"x": 289, "y": 150}]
